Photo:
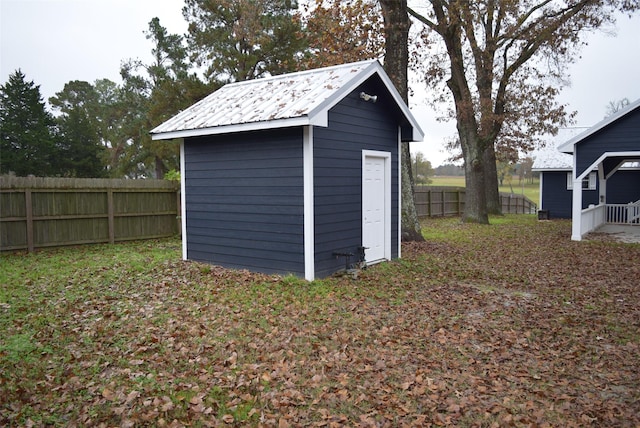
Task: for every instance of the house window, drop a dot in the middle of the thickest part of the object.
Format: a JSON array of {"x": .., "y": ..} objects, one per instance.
[{"x": 588, "y": 182}]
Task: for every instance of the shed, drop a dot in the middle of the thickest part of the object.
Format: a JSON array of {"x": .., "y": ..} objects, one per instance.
[
  {"x": 287, "y": 174},
  {"x": 593, "y": 178}
]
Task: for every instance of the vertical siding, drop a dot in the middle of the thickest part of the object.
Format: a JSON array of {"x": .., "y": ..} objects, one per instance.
[
  {"x": 621, "y": 135},
  {"x": 557, "y": 199},
  {"x": 354, "y": 125},
  {"x": 244, "y": 200}
]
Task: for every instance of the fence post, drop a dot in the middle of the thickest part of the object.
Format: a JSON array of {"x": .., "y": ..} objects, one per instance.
[
  {"x": 110, "y": 215},
  {"x": 29, "y": 219}
]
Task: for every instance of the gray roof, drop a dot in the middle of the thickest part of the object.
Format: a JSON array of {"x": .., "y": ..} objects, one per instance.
[
  {"x": 295, "y": 99},
  {"x": 568, "y": 146}
]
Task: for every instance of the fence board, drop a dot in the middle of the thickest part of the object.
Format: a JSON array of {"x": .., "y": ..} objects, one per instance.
[
  {"x": 45, "y": 212},
  {"x": 440, "y": 201}
]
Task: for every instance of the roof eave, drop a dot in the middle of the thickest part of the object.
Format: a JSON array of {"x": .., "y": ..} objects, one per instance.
[
  {"x": 568, "y": 146},
  {"x": 375, "y": 67},
  {"x": 554, "y": 169},
  {"x": 242, "y": 127}
]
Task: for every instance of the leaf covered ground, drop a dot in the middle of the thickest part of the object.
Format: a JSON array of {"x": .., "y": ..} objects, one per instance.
[{"x": 511, "y": 324}]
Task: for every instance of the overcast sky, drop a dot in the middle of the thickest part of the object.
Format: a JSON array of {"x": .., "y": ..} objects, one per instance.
[{"x": 56, "y": 41}]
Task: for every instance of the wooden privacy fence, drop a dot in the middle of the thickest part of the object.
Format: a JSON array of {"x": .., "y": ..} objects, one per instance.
[
  {"x": 46, "y": 212},
  {"x": 434, "y": 201}
]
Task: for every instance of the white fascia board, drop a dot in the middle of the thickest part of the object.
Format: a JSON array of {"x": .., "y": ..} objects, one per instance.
[
  {"x": 567, "y": 169},
  {"x": 568, "y": 146},
  {"x": 322, "y": 110},
  {"x": 418, "y": 134},
  {"x": 255, "y": 126},
  {"x": 594, "y": 165}
]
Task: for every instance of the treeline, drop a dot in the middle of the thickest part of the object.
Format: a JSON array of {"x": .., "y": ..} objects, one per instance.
[
  {"x": 506, "y": 170},
  {"x": 101, "y": 128},
  {"x": 449, "y": 170}
]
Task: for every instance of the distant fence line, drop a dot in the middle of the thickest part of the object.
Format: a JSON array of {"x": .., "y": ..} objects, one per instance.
[
  {"x": 46, "y": 212},
  {"x": 444, "y": 201}
]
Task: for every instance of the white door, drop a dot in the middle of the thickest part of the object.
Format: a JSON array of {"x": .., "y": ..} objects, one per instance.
[{"x": 376, "y": 203}]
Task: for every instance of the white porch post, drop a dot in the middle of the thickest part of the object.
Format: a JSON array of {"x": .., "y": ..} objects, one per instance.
[
  {"x": 602, "y": 185},
  {"x": 576, "y": 210}
]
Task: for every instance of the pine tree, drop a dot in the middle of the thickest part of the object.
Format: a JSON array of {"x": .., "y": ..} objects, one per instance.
[
  {"x": 78, "y": 131},
  {"x": 236, "y": 40},
  {"x": 27, "y": 144}
]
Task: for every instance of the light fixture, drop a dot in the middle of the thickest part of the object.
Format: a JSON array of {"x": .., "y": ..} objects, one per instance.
[{"x": 367, "y": 97}]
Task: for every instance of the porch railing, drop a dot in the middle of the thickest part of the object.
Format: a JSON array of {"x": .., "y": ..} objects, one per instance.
[
  {"x": 624, "y": 213},
  {"x": 592, "y": 218}
]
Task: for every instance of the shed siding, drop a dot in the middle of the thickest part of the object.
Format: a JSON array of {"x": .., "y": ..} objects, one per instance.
[
  {"x": 620, "y": 136},
  {"x": 557, "y": 200},
  {"x": 244, "y": 200},
  {"x": 354, "y": 126}
]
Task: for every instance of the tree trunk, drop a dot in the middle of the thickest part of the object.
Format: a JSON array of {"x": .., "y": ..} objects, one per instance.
[
  {"x": 475, "y": 205},
  {"x": 494, "y": 206},
  {"x": 475, "y": 196},
  {"x": 396, "y": 63},
  {"x": 411, "y": 230},
  {"x": 161, "y": 170}
]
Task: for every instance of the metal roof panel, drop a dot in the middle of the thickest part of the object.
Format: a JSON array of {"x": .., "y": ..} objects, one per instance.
[{"x": 305, "y": 96}]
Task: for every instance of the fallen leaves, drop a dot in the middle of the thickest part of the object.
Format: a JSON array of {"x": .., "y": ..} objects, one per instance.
[{"x": 514, "y": 325}]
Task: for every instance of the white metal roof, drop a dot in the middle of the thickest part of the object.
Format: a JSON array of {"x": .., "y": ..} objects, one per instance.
[
  {"x": 549, "y": 157},
  {"x": 295, "y": 99},
  {"x": 568, "y": 146}
]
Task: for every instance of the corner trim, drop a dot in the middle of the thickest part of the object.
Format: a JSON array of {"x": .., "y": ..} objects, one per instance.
[{"x": 309, "y": 219}]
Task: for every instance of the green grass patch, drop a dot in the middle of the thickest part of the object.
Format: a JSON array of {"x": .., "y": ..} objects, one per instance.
[{"x": 530, "y": 189}]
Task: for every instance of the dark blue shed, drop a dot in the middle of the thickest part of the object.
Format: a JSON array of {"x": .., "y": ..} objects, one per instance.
[
  {"x": 280, "y": 174},
  {"x": 595, "y": 176}
]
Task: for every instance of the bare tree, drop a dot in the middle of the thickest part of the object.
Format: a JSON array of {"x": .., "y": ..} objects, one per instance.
[
  {"x": 503, "y": 62},
  {"x": 615, "y": 106}
]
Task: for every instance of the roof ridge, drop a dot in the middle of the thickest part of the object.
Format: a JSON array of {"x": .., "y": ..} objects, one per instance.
[{"x": 302, "y": 72}]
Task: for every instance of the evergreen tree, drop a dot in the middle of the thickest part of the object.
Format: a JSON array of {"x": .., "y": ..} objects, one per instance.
[
  {"x": 80, "y": 150},
  {"x": 236, "y": 40},
  {"x": 27, "y": 143},
  {"x": 154, "y": 92}
]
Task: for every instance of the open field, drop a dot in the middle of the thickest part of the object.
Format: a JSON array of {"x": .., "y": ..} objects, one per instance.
[
  {"x": 511, "y": 324},
  {"x": 530, "y": 190}
]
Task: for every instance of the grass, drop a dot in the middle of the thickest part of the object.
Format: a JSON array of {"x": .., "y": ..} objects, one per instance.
[
  {"x": 530, "y": 190},
  {"x": 508, "y": 324}
]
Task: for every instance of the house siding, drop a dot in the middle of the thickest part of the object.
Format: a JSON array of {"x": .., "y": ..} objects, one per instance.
[
  {"x": 244, "y": 200},
  {"x": 623, "y": 187},
  {"x": 619, "y": 136},
  {"x": 354, "y": 126},
  {"x": 557, "y": 200}
]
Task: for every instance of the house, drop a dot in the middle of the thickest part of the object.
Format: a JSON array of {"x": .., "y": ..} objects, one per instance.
[
  {"x": 556, "y": 179},
  {"x": 294, "y": 173},
  {"x": 593, "y": 178}
]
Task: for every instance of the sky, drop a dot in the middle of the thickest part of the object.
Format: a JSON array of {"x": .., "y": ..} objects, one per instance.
[{"x": 56, "y": 41}]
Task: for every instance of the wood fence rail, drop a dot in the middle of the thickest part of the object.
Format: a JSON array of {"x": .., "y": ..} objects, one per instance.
[
  {"x": 46, "y": 212},
  {"x": 444, "y": 201}
]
